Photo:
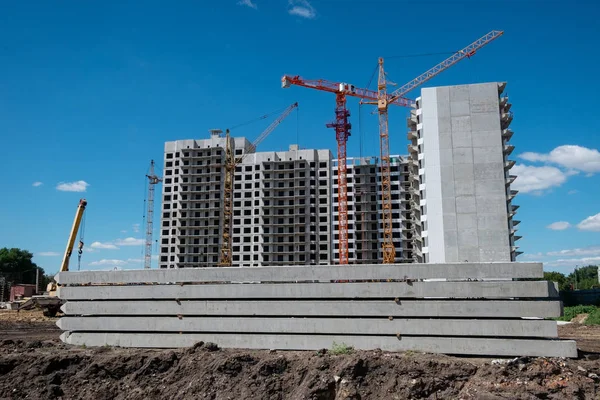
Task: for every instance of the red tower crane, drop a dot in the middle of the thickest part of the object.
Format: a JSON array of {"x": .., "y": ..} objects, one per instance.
[{"x": 342, "y": 129}]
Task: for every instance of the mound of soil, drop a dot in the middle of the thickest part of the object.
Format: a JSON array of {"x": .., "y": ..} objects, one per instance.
[{"x": 52, "y": 370}]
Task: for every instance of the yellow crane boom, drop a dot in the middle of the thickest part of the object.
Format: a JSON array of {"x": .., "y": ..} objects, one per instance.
[{"x": 73, "y": 236}]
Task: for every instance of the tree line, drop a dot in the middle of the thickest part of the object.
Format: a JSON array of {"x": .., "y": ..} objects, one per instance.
[{"x": 17, "y": 266}]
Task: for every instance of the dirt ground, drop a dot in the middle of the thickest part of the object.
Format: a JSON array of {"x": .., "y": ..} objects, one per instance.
[{"x": 34, "y": 364}]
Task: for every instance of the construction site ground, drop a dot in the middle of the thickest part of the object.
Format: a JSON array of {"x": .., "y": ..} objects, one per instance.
[{"x": 35, "y": 364}]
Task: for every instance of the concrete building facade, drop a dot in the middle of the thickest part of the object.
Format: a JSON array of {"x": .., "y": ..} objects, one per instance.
[
  {"x": 460, "y": 175},
  {"x": 365, "y": 228},
  {"x": 281, "y": 205}
]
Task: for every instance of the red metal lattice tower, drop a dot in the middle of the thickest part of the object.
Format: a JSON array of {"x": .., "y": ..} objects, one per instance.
[{"x": 342, "y": 132}]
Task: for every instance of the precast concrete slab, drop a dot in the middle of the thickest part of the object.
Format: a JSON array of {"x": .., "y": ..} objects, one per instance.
[
  {"x": 323, "y": 273},
  {"x": 445, "y": 345},
  {"x": 490, "y": 290},
  {"x": 370, "y": 326},
  {"x": 356, "y": 308}
]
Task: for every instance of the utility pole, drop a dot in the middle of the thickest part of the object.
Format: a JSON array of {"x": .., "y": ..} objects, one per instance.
[
  {"x": 152, "y": 181},
  {"x": 37, "y": 280}
]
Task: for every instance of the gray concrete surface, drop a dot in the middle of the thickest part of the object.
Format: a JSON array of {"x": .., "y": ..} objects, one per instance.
[
  {"x": 466, "y": 346},
  {"x": 491, "y": 290},
  {"x": 463, "y": 174},
  {"x": 246, "y": 325},
  {"x": 356, "y": 308},
  {"x": 322, "y": 272}
]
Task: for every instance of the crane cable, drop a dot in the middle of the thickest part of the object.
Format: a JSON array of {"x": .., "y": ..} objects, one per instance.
[
  {"x": 265, "y": 116},
  {"x": 80, "y": 245}
]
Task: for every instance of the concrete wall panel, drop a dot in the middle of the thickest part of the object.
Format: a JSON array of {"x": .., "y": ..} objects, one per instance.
[
  {"x": 462, "y": 139},
  {"x": 490, "y": 170},
  {"x": 490, "y": 154},
  {"x": 467, "y": 346},
  {"x": 466, "y": 205},
  {"x": 490, "y": 187},
  {"x": 459, "y": 93},
  {"x": 463, "y": 155},
  {"x": 369, "y": 326},
  {"x": 322, "y": 308},
  {"x": 460, "y": 108},
  {"x": 461, "y": 124},
  {"x": 488, "y": 138},
  {"x": 492, "y": 290},
  {"x": 304, "y": 273},
  {"x": 485, "y": 122}
]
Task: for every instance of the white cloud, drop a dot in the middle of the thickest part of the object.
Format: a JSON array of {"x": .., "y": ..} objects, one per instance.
[
  {"x": 559, "y": 226},
  {"x": 591, "y": 223},
  {"x": 78, "y": 186},
  {"x": 532, "y": 179},
  {"x": 578, "y": 252},
  {"x": 247, "y": 3},
  {"x": 47, "y": 254},
  {"x": 572, "y": 262},
  {"x": 573, "y": 157},
  {"x": 108, "y": 262},
  {"x": 116, "y": 262},
  {"x": 104, "y": 246},
  {"x": 302, "y": 8},
  {"x": 130, "y": 241},
  {"x": 36, "y": 184},
  {"x": 534, "y": 257},
  {"x": 123, "y": 231},
  {"x": 136, "y": 228},
  {"x": 572, "y": 191}
]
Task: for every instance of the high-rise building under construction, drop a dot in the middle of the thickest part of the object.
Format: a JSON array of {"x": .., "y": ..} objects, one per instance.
[
  {"x": 281, "y": 205},
  {"x": 460, "y": 175},
  {"x": 451, "y": 197}
]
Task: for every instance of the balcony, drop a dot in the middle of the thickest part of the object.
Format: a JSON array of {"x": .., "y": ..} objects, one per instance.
[
  {"x": 413, "y": 149},
  {"x": 501, "y": 87},
  {"x": 510, "y": 179},
  {"x": 412, "y": 135},
  {"x": 507, "y": 133},
  {"x": 508, "y": 164},
  {"x": 512, "y": 194},
  {"x": 506, "y": 118},
  {"x": 508, "y": 149}
]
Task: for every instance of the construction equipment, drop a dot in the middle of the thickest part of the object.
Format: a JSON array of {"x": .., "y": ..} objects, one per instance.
[
  {"x": 382, "y": 99},
  {"x": 230, "y": 164},
  {"x": 49, "y": 301},
  {"x": 153, "y": 180}
]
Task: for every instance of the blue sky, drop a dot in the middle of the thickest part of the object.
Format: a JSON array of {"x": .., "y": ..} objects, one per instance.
[{"x": 90, "y": 91}]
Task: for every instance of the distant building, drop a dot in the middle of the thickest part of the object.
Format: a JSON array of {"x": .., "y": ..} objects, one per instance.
[{"x": 281, "y": 205}]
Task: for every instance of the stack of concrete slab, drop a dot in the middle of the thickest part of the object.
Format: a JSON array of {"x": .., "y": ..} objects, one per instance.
[{"x": 476, "y": 308}]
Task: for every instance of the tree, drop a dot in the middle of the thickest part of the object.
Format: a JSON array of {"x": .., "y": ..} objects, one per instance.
[
  {"x": 16, "y": 265},
  {"x": 585, "y": 277},
  {"x": 561, "y": 279}
]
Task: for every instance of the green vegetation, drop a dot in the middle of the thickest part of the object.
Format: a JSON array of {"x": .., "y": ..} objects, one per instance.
[
  {"x": 572, "y": 312},
  {"x": 580, "y": 279},
  {"x": 341, "y": 348},
  {"x": 17, "y": 266}
]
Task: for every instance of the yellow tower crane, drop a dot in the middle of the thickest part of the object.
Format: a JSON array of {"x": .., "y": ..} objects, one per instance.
[{"x": 230, "y": 163}]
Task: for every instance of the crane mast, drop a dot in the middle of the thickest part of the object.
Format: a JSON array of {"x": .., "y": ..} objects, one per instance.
[
  {"x": 153, "y": 180},
  {"x": 383, "y": 100},
  {"x": 231, "y": 162}
]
